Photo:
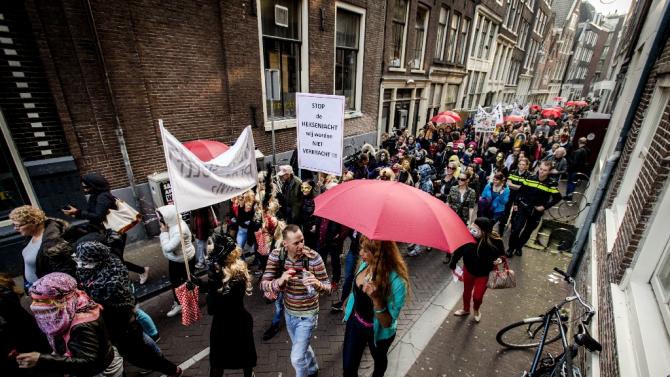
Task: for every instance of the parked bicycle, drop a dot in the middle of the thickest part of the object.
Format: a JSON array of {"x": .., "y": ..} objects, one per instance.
[{"x": 548, "y": 328}]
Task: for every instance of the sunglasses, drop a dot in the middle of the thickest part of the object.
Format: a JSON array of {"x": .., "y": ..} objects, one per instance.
[
  {"x": 450, "y": 168},
  {"x": 462, "y": 179}
]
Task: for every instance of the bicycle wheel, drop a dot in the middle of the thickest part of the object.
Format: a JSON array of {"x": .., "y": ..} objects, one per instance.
[{"x": 527, "y": 333}]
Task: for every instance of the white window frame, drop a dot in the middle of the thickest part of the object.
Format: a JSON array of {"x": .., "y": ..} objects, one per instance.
[
  {"x": 403, "y": 49},
  {"x": 358, "y": 111},
  {"x": 16, "y": 160},
  {"x": 440, "y": 54},
  {"x": 423, "y": 44},
  {"x": 304, "y": 64}
]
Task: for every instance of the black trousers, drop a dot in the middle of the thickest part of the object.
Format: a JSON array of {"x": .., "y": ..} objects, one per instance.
[
  {"x": 335, "y": 262},
  {"x": 177, "y": 274},
  {"x": 524, "y": 222},
  {"x": 132, "y": 347},
  {"x": 356, "y": 338}
]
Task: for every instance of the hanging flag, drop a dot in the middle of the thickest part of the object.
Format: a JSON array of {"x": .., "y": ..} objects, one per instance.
[{"x": 196, "y": 183}]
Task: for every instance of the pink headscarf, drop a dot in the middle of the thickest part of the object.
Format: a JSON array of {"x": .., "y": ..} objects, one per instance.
[{"x": 58, "y": 306}]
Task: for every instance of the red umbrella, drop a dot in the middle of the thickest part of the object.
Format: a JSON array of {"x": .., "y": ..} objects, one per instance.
[
  {"x": 535, "y": 107},
  {"x": 514, "y": 118},
  {"x": 206, "y": 150},
  {"x": 393, "y": 211},
  {"x": 451, "y": 114},
  {"x": 441, "y": 119},
  {"x": 581, "y": 103},
  {"x": 550, "y": 122},
  {"x": 551, "y": 112},
  {"x": 571, "y": 103}
]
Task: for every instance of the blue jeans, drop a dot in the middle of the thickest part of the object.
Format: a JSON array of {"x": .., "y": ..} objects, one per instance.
[
  {"x": 279, "y": 310},
  {"x": 146, "y": 322},
  {"x": 242, "y": 237},
  {"x": 572, "y": 184},
  {"x": 349, "y": 272},
  {"x": 302, "y": 356},
  {"x": 200, "y": 250}
]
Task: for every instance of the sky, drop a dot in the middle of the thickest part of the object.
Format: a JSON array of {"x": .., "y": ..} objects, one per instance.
[{"x": 609, "y": 6}]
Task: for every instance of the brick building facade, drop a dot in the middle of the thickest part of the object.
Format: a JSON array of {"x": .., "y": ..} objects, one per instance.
[
  {"x": 102, "y": 73},
  {"x": 627, "y": 262}
]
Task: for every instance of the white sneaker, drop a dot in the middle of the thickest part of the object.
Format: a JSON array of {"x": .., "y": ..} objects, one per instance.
[
  {"x": 176, "y": 309},
  {"x": 144, "y": 276},
  {"x": 478, "y": 316}
]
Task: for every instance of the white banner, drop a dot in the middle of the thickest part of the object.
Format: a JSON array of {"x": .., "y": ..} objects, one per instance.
[
  {"x": 484, "y": 122},
  {"x": 196, "y": 184},
  {"x": 320, "y": 132},
  {"x": 498, "y": 114}
]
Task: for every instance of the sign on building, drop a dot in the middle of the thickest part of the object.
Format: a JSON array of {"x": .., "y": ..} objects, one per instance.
[{"x": 320, "y": 132}]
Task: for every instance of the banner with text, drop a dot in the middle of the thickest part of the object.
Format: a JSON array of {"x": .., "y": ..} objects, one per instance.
[
  {"x": 196, "y": 184},
  {"x": 320, "y": 132}
]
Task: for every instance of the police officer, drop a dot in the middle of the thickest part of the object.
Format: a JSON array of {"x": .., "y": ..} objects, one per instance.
[
  {"x": 514, "y": 182},
  {"x": 538, "y": 193}
]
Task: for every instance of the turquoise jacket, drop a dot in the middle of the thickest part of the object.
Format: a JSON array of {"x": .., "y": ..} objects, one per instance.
[{"x": 395, "y": 302}]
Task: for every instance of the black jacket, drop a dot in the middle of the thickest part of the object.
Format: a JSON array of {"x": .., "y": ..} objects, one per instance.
[
  {"x": 534, "y": 192},
  {"x": 478, "y": 258},
  {"x": 19, "y": 332},
  {"x": 99, "y": 202},
  {"x": 90, "y": 348},
  {"x": 55, "y": 254}
]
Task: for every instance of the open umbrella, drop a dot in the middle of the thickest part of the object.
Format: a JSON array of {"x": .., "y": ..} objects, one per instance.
[
  {"x": 443, "y": 119},
  {"x": 206, "y": 150},
  {"x": 451, "y": 114},
  {"x": 551, "y": 113},
  {"x": 514, "y": 118},
  {"x": 535, "y": 107},
  {"x": 581, "y": 103},
  {"x": 571, "y": 103},
  {"x": 550, "y": 122},
  {"x": 393, "y": 211}
]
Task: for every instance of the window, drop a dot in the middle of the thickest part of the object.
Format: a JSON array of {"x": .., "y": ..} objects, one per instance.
[
  {"x": 462, "y": 45},
  {"x": 386, "y": 111},
  {"x": 452, "y": 46},
  {"x": 482, "y": 39},
  {"x": 398, "y": 33},
  {"x": 660, "y": 282},
  {"x": 452, "y": 95},
  {"x": 348, "y": 57},
  {"x": 434, "y": 101},
  {"x": 477, "y": 37},
  {"x": 441, "y": 33},
  {"x": 420, "y": 36},
  {"x": 282, "y": 51},
  {"x": 489, "y": 44},
  {"x": 12, "y": 192}
]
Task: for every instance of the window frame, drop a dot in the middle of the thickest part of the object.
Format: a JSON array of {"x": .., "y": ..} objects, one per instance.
[
  {"x": 357, "y": 111},
  {"x": 403, "y": 46},
  {"x": 304, "y": 64},
  {"x": 440, "y": 43},
  {"x": 452, "y": 51},
  {"x": 426, "y": 20}
]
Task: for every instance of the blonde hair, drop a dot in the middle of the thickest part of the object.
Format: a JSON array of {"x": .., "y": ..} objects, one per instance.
[
  {"x": 236, "y": 269},
  {"x": 27, "y": 215},
  {"x": 385, "y": 258},
  {"x": 387, "y": 173}
]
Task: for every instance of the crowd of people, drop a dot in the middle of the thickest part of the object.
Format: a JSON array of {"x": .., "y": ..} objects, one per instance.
[{"x": 86, "y": 321}]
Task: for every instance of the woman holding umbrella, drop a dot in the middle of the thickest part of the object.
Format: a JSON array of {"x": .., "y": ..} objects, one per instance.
[{"x": 371, "y": 314}]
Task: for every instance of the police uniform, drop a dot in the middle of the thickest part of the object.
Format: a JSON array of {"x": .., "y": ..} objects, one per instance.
[
  {"x": 517, "y": 178},
  {"x": 533, "y": 193}
]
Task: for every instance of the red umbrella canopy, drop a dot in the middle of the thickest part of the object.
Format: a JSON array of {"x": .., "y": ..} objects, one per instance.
[
  {"x": 550, "y": 122},
  {"x": 442, "y": 119},
  {"x": 551, "y": 112},
  {"x": 451, "y": 114},
  {"x": 393, "y": 211},
  {"x": 514, "y": 118},
  {"x": 581, "y": 103},
  {"x": 535, "y": 107},
  {"x": 206, "y": 150},
  {"x": 571, "y": 103}
]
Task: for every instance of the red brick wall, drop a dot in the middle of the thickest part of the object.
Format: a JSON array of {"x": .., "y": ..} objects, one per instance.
[
  {"x": 653, "y": 175},
  {"x": 194, "y": 64}
]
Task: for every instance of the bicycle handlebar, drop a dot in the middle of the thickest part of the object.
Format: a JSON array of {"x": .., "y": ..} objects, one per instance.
[
  {"x": 571, "y": 281},
  {"x": 567, "y": 277}
]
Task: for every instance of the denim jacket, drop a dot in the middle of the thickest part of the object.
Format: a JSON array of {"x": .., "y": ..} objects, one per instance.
[{"x": 395, "y": 302}]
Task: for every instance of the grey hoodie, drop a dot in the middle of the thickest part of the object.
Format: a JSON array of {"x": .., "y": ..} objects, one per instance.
[{"x": 170, "y": 240}]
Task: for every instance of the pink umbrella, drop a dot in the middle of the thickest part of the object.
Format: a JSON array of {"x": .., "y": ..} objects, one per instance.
[
  {"x": 451, "y": 114},
  {"x": 443, "y": 119},
  {"x": 550, "y": 122},
  {"x": 581, "y": 103},
  {"x": 393, "y": 211},
  {"x": 514, "y": 118},
  {"x": 206, "y": 150}
]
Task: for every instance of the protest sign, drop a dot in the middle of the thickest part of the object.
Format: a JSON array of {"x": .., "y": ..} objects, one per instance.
[
  {"x": 196, "y": 184},
  {"x": 320, "y": 132}
]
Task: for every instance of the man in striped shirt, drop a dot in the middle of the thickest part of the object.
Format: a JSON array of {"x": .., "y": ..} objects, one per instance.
[{"x": 300, "y": 274}]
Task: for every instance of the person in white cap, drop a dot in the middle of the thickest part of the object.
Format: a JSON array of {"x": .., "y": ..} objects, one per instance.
[{"x": 289, "y": 194}]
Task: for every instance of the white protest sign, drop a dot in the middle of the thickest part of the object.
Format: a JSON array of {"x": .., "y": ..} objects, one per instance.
[
  {"x": 320, "y": 132},
  {"x": 196, "y": 183},
  {"x": 484, "y": 122}
]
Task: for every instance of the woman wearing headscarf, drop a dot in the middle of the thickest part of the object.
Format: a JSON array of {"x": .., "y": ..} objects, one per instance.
[
  {"x": 231, "y": 336},
  {"x": 172, "y": 238},
  {"x": 379, "y": 290},
  {"x": 18, "y": 330},
  {"x": 478, "y": 260},
  {"x": 100, "y": 202},
  {"x": 105, "y": 279},
  {"x": 76, "y": 333},
  {"x": 46, "y": 250}
]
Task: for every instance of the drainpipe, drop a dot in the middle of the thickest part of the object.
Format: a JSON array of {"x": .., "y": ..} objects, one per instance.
[
  {"x": 578, "y": 248},
  {"x": 117, "y": 122}
]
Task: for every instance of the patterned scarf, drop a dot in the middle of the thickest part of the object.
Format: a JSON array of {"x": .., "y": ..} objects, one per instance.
[
  {"x": 108, "y": 282},
  {"x": 58, "y": 306}
]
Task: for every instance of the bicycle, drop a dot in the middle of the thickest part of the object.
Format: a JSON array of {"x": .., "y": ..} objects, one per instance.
[{"x": 548, "y": 328}]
